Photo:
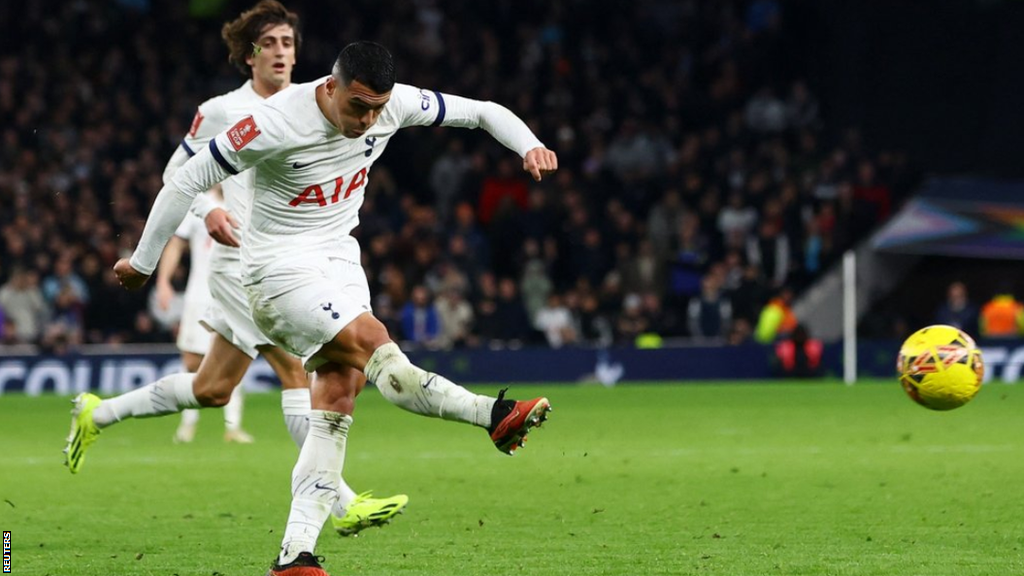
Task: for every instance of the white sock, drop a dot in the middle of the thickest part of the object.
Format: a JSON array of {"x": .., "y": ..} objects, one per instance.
[
  {"x": 295, "y": 405},
  {"x": 422, "y": 392},
  {"x": 233, "y": 410},
  {"x": 315, "y": 481},
  {"x": 167, "y": 395},
  {"x": 189, "y": 417},
  {"x": 345, "y": 497}
]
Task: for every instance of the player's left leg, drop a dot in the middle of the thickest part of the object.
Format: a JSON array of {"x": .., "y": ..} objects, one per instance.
[
  {"x": 351, "y": 513},
  {"x": 317, "y": 472}
]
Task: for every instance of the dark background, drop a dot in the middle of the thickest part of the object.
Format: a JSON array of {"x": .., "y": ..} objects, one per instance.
[{"x": 941, "y": 80}]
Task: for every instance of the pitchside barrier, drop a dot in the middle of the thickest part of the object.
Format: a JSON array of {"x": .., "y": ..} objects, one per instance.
[{"x": 115, "y": 373}]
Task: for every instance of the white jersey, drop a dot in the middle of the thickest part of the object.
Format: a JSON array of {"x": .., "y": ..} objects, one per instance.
[
  {"x": 214, "y": 116},
  {"x": 309, "y": 178},
  {"x": 197, "y": 290}
]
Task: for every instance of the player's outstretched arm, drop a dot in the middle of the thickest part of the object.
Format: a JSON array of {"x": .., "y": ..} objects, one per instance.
[
  {"x": 198, "y": 174},
  {"x": 430, "y": 108},
  {"x": 505, "y": 127}
]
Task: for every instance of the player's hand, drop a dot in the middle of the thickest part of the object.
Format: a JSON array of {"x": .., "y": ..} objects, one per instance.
[
  {"x": 164, "y": 294},
  {"x": 221, "y": 225},
  {"x": 540, "y": 162},
  {"x": 129, "y": 277}
]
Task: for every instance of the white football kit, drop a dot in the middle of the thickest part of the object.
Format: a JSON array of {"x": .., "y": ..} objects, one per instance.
[
  {"x": 193, "y": 336},
  {"x": 299, "y": 264},
  {"x": 229, "y": 313}
]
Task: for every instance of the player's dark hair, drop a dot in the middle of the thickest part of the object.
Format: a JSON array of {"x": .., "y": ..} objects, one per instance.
[
  {"x": 368, "y": 62},
  {"x": 242, "y": 33}
]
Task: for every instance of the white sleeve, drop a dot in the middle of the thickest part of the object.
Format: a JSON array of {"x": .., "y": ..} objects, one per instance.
[
  {"x": 172, "y": 204},
  {"x": 210, "y": 119},
  {"x": 177, "y": 160},
  {"x": 184, "y": 230},
  {"x": 203, "y": 205},
  {"x": 418, "y": 107}
]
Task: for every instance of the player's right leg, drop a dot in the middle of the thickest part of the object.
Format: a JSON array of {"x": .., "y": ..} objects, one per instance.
[
  {"x": 186, "y": 431},
  {"x": 326, "y": 317},
  {"x": 364, "y": 343},
  {"x": 221, "y": 370}
]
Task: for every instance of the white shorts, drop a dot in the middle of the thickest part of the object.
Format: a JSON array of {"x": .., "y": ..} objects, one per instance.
[
  {"x": 304, "y": 306},
  {"x": 229, "y": 315},
  {"x": 193, "y": 336}
]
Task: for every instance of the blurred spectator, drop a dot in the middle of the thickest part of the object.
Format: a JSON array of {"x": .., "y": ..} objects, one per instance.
[
  {"x": 801, "y": 107},
  {"x": 710, "y": 314},
  {"x": 420, "y": 324},
  {"x": 799, "y": 355},
  {"x": 751, "y": 294},
  {"x": 456, "y": 318},
  {"x": 640, "y": 269},
  {"x": 64, "y": 280},
  {"x": 872, "y": 192},
  {"x": 146, "y": 330},
  {"x": 506, "y": 185},
  {"x": 661, "y": 320},
  {"x": 535, "y": 285},
  {"x": 513, "y": 327},
  {"x": 763, "y": 15},
  {"x": 690, "y": 259},
  {"x": 777, "y": 319},
  {"x": 595, "y": 326},
  {"x": 636, "y": 154},
  {"x": 737, "y": 219},
  {"x": 765, "y": 112},
  {"x": 631, "y": 322},
  {"x": 769, "y": 251},
  {"x": 555, "y": 321},
  {"x": 740, "y": 332},
  {"x": 957, "y": 310},
  {"x": 446, "y": 177},
  {"x": 663, "y": 221},
  {"x": 1002, "y": 316},
  {"x": 23, "y": 302}
]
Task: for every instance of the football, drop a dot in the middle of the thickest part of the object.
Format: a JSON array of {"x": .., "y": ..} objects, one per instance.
[{"x": 940, "y": 367}]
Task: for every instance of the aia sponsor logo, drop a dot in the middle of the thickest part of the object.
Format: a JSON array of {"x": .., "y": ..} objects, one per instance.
[
  {"x": 194, "y": 129},
  {"x": 243, "y": 132},
  {"x": 315, "y": 194}
]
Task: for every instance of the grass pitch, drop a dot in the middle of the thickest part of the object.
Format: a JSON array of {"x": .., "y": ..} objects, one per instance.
[{"x": 808, "y": 479}]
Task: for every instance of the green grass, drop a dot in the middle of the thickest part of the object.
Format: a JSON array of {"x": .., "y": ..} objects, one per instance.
[{"x": 791, "y": 478}]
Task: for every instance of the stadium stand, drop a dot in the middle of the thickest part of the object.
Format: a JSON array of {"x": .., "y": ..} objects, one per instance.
[{"x": 693, "y": 165}]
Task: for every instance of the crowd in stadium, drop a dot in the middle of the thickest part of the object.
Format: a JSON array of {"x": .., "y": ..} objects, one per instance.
[{"x": 699, "y": 176}]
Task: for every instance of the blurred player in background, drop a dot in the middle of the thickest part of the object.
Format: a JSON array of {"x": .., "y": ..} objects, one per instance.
[
  {"x": 262, "y": 43},
  {"x": 193, "y": 337},
  {"x": 312, "y": 148}
]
